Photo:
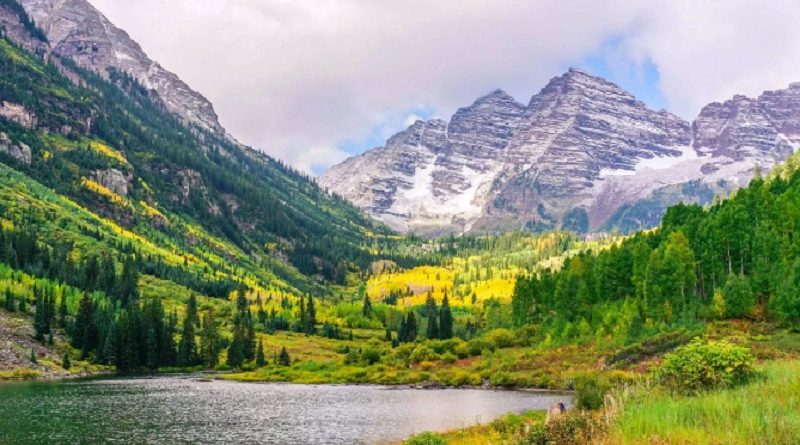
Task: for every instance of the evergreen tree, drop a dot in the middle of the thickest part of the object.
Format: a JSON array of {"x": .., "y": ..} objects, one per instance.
[
  {"x": 107, "y": 275},
  {"x": 250, "y": 339},
  {"x": 187, "y": 347},
  {"x": 445, "y": 320},
  {"x": 409, "y": 328},
  {"x": 311, "y": 316},
  {"x": 110, "y": 346},
  {"x": 65, "y": 362},
  {"x": 83, "y": 328},
  {"x": 260, "y": 361},
  {"x": 33, "y": 356},
  {"x": 62, "y": 311},
  {"x": 236, "y": 350},
  {"x": 432, "y": 314},
  {"x": 367, "y": 308},
  {"x": 23, "y": 304},
  {"x": 209, "y": 340},
  {"x": 283, "y": 357},
  {"x": 128, "y": 284},
  {"x": 191, "y": 310},
  {"x": 10, "y": 304}
]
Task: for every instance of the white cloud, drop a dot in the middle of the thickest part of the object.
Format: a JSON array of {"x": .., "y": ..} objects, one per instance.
[
  {"x": 708, "y": 51},
  {"x": 297, "y": 78}
]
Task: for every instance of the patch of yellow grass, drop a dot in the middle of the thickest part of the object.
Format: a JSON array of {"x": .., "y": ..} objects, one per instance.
[{"x": 107, "y": 151}]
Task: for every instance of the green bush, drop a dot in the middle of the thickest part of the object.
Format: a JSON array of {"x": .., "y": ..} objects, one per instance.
[
  {"x": 423, "y": 353},
  {"x": 502, "y": 338},
  {"x": 371, "y": 355},
  {"x": 590, "y": 391},
  {"x": 449, "y": 358},
  {"x": 426, "y": 438},
  {"x": 704, "y": 365},
  {"x": 572, "y": 429}
]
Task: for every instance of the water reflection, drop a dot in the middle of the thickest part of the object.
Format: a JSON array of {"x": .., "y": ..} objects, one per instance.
[{"x": 189, "y": 411}]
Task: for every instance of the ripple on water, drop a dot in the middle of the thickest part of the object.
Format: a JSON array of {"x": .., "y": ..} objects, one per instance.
[{"x": 189, "y": 411}]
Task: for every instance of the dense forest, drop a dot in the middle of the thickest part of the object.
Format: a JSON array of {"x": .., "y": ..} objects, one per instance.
[{"x": 736, "y": 258}]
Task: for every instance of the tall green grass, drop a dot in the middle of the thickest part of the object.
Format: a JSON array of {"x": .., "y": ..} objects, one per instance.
[{"x": 766, "y": 411}]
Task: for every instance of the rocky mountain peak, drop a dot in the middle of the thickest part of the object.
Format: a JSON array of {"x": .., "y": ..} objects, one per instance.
[
  {"x": 583, "y": 150},
  {"x": 78, "y": 31}
]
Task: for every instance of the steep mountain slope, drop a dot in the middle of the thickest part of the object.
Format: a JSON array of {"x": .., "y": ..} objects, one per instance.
[
  {"x": 108, "y": 143},
  {"x": 584, "y": 154},
  {"x": 79, "y": 32}
]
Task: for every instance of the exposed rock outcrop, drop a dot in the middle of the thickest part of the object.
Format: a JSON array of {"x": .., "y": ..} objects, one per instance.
[
  {"x": 583, "y": 149},
  {"x": 78, "y": 31},
  {"x": 18, "y": 151},
  {"x": 18, "y": 114},
  {"x": 114, "y": 180}
]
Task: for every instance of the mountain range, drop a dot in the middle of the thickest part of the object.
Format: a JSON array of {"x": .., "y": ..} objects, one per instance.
[
  {"x": 583, "y": 154},
  {"x": 85, "y": 113}
]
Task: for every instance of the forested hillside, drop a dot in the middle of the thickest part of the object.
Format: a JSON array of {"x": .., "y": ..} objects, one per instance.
[
  {"x": 110, "y": 148},
  {"x": 736, "y": 258}
]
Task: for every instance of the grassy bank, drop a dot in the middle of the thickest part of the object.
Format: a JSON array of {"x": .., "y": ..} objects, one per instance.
[{"x": 766, "y": 411}]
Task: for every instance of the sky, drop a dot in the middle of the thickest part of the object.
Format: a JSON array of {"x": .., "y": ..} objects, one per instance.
[{"x": 312, "y": 82}]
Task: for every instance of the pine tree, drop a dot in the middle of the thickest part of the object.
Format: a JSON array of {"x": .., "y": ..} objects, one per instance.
[
  {"x": 411, "y": 328},
  {"x": 431, "y": 312},
  {"x": 250, "y": 339},
  {"x": 209, "y": 340},
  {"x": 191, "y": 310},
  {"x": 128, "y": 284},
  {"x": 241, "y": 301},
  {"x": 237, "y": 347},
  {"x": 107, "y": 276},
  {"x": 84, "y": 322},
  {"x": 152, "y": 359},
  {"x": 367, "y": 309},
  {"x": 33, "y": 356},
  {"x": 10, "y": 304},
  {"x": 39, "y": 324},
  {"x": 23, "y": 304},
  {"x": 445, "y": 320},
  {"x": 187, "y": 347},
  {"x": 311, "y": 316},
  {"x": 283, "y": 357},
  {"x": 65, "y": 362},
  {"x": 260, "y": 361},
  {"x": 110, "y": 346},
  {"x": 62, "y": 311}
]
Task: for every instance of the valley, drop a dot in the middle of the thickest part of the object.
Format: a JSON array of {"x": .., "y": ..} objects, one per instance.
[{"x": 644, "y": 268}]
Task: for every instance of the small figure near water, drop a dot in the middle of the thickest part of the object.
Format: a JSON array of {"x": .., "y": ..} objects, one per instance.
[{"x": 556, "y": 410}]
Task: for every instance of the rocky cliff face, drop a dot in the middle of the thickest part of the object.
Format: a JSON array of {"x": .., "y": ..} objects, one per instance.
[
  {"x": 77, "y": 31},
  {"x": 583, "y": 153}
]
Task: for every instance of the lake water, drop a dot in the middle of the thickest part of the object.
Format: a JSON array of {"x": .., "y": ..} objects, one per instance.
[{"x": 185, "y": 410}]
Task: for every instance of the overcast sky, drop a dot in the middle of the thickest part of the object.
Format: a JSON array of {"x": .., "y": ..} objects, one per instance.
[{"x": 314, "y": 81}]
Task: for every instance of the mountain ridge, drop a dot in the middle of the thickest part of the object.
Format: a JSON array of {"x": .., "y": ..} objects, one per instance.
[{"x": 582, "y": 148}]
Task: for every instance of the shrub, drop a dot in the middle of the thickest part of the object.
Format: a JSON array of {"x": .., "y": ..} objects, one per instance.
[
  {"x": 502, "y": 338},
  {"x": 426, "y": 438},
  {"x": 704, "y": 365},
  {"x": 590, "y": 391},
  {"x": 449, "y": 358},
  {"x": 476, "y": 346},
  {"x": 371, "y": 355},
  {"x": 572, "y": 429},
  {"x": 423, "y": 353}
]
